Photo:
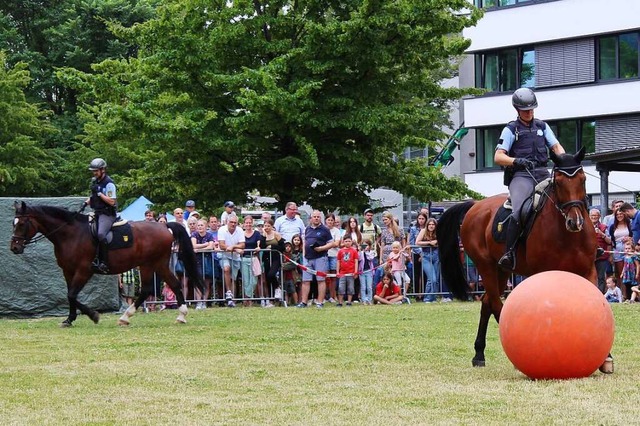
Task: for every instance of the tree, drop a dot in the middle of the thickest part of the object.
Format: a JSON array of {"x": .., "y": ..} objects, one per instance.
[
  {"x": 25, "y": 166},
  {"x": 308, "y": 100},
  {"x": 50, "y": 34}
]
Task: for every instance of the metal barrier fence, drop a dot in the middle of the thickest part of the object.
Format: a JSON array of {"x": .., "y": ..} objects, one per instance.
[{"x": 247, "y": 287}]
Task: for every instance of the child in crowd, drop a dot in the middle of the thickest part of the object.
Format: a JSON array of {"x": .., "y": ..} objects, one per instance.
[
  {"x": 630, "y": 267},
  {"x": 613, "y": 293},
  {"x": 398, "y": 259},
  {"x": 290, "y": 275},
  {"x": 365, "y": 271},
  {"x": 387, "y": 291},
  {"x": 169, "y": 298},
  {"x": 296, "y": 255},
  {"x": 346, "y": 263},
  {"x": 127, "y": 283}
]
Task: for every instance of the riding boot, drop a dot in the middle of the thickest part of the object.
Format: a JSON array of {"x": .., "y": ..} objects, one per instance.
[
  {"x": 100, "y": 263},
  {"x": 508, "y": 260}
]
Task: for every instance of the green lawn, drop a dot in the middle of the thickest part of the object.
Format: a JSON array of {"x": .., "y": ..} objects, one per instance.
[{"x": 373, "y": 365}]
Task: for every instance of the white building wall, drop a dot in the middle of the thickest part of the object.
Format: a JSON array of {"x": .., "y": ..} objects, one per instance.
[{"x": 557, "y": 20}]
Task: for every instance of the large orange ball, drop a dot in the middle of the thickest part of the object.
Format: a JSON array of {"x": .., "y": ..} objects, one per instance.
[{"x": 556, "y": 325}]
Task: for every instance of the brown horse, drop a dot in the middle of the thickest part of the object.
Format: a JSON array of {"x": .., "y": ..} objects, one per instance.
[
  {"x": 558, "y": 240},
  {"x": 74, "y": 248}
]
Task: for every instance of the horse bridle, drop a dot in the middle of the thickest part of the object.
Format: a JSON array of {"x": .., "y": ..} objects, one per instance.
[
  {"x": 569, "y": 172},
  {"x": 27, "y": 241}
]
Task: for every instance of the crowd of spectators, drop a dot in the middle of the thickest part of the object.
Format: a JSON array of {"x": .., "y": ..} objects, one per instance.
[{"x": 285, "y": 262}]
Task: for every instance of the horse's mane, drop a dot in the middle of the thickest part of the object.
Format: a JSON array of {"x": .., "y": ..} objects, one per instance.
[{"x": 59, "y": 213}]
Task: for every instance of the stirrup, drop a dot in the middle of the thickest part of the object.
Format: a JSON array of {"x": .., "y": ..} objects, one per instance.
[{"x": 508, "y": 261}]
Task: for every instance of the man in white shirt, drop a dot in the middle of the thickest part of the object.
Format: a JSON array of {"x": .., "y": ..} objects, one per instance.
[
  {"x": 290, "y": 224},
  {"x": 231, "y": 240}
]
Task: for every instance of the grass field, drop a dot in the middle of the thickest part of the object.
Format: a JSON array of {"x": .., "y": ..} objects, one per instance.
[{"x": 379, "y": 365}]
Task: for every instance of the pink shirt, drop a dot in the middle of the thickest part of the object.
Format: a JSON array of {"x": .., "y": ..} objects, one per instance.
[{"x": 397, "y": 261}]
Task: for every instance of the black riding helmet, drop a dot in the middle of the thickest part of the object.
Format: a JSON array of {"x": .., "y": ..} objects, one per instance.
[
  {"x": 524, "y": 99},
  {"x": 97, "y": 164}
]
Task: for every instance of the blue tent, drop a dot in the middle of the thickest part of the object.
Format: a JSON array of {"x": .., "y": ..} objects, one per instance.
[{"x": 135, "y": 211}]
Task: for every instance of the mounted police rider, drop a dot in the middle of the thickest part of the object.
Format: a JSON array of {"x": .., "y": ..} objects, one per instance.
[
  {"x": 103, "y": 202},
  {"x": 522, "y": 150}
]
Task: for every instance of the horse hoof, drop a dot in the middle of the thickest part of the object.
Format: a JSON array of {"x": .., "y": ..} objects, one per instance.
[
  {"x": 65, "y": 324},
  {"x": 95, "y": 317},
  {"x": 607, "y": 366},
  {"x": 181, "y": 321},
  {"x": 123, "y": 322},
  {"x": 478, "y": 363}
]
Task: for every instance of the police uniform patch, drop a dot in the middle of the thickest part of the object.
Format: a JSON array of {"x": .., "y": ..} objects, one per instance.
[{"x": 539, "y": 132}]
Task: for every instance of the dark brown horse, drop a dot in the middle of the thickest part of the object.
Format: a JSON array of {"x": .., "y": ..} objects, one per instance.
[
  {"x": 561, "y": 238},
  {"x": 75, "y": 249}
]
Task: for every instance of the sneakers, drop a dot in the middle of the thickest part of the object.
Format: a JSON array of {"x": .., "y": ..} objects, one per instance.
[
  {"x": 331, "y": 300},
  {"x": 301, "y": 305},
  {"x": 406, "y": 300},
  {"x": 268, "y": 304},
  {"x": 339, "y": 305},
  {"x": 319, "y": 305},
  {"x": 230, "y": 304},
  {"x": 200, "y": 306},
  {"x": 348, "y": 303},
  {"x": 278, "y": 294},
  {"x": 446, "y": 300},
  {"x": 228, "y": 295}
]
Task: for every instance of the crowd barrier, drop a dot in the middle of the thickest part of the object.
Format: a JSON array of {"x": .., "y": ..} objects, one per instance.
[{"x": 212, "y": 272}]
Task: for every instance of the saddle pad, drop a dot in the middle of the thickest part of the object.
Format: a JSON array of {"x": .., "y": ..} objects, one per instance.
[
  {"x": 122, "y": 237},
  {"x": 500, "y": 222}
]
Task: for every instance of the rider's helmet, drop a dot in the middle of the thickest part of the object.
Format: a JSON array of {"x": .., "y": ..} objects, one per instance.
[
  {"x": 97, "y": 164},
  {"x": 524, "y": 99}
]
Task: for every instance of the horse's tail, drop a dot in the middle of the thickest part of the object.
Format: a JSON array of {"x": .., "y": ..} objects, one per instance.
[
  {"x": 448, "y": 234},
  {"x": 187, "y": 255}
]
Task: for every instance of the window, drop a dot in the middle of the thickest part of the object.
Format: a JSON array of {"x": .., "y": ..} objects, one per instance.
[
  {"x": 497, "y": 3},
  {"x": 487, "y": 139},
  {"x": 506, "y": 70},
  {"x": 618, "y": 56}
]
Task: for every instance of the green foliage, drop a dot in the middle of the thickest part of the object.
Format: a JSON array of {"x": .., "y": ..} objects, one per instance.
[
  {"x": 49, "y": 34},
  {"x": 313, "y": 100},
  {"x": 25, "y": 165}
]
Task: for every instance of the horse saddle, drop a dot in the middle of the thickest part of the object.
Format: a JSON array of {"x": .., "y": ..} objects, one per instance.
[
  {"x": 530, "y": 208},
  {"x": 120, "y": 236}
]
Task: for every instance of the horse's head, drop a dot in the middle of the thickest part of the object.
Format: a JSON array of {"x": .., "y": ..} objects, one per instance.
[
  {"x": 24, "y": 229},
  {"x": 569, "y": 186}
]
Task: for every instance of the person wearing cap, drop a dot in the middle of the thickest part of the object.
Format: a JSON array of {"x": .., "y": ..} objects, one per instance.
[
  {"x": 290, "y": 223},
  {"x": 229, "y": 206},
  {"x": 372, "y": 233},
  {"x": 523, "y": 151},
  {"x": 189, "y": 207}
]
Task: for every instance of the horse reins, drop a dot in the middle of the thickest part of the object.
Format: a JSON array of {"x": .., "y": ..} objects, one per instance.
[{"x": 42, "y": 235}]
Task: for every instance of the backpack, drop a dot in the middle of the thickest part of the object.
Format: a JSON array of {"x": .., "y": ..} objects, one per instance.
[{"x": 376, "y": 230}]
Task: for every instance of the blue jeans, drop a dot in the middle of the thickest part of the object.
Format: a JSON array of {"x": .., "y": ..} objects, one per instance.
[
  {"x": 431, "y": 268},
  {"x": 366, "y": 287}
]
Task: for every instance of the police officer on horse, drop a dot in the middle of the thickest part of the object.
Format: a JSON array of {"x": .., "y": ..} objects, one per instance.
[
  {"x": 522, "y": 150},
  {"x": 103, "y": 202}
]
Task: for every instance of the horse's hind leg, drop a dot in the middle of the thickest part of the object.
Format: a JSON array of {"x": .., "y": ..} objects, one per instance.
[{"x": 174, "y": 285}]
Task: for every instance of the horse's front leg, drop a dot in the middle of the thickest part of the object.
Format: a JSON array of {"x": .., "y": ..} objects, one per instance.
[
  {"x": 75, "y": 283},
  {"x": 481, "y": 337},
  {"x": 68, "y": 322}
]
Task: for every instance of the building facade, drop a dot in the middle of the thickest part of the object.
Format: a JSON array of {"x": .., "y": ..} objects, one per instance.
[{"x": 581, "y": 57}]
